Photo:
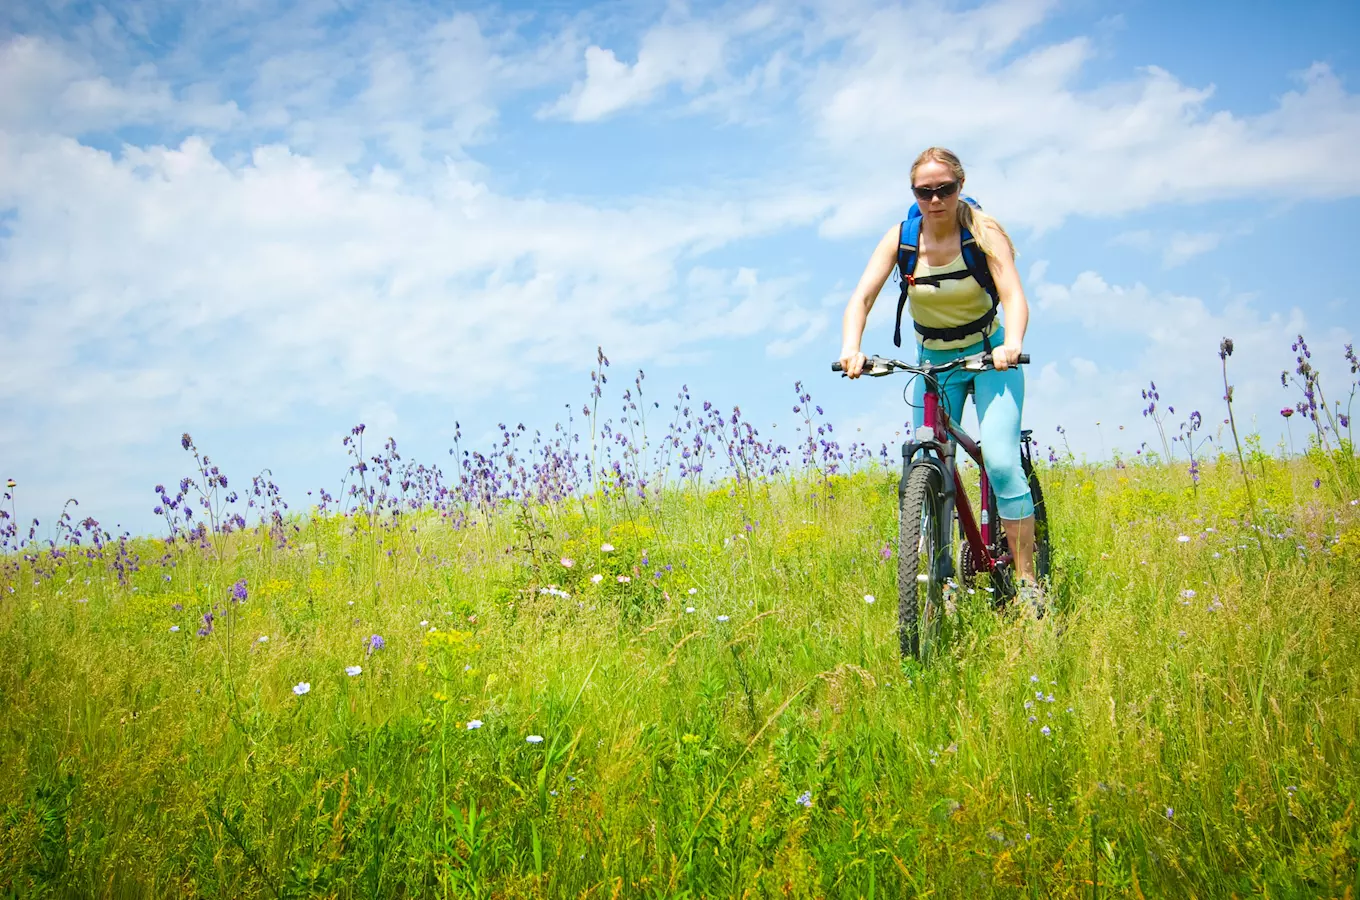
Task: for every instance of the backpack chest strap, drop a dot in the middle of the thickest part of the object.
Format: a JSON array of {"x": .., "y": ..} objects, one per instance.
[{"x": 935, "y": 280}]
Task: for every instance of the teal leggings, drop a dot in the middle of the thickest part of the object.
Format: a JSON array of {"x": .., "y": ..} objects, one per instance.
[{"x": 1000, "y": 396}]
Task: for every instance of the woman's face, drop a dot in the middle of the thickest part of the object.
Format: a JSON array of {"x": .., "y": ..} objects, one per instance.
[{"x": 935, "y": 174}]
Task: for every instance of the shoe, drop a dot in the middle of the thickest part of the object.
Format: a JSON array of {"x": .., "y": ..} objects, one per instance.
[{"x": 1031, "y": 595}]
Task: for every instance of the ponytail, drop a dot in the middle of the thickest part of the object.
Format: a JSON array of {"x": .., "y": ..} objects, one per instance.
[{"x": 980, "y": 225}]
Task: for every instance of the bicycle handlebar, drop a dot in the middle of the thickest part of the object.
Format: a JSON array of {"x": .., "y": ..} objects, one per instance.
[{"x": 886, "y": 366}]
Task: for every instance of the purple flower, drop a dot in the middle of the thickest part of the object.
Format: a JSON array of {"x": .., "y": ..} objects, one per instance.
[
  {"x": 238, "y": 591},
  {"x": 1286, "y": 412},
  {"x": 185, "y": 440},
  {"x": 375, "y": 642}
]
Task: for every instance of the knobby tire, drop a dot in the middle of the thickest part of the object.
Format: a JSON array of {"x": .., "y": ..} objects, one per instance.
[
  {"x": 920, "y": 603},
  {"x": 1042, "y": 560}
]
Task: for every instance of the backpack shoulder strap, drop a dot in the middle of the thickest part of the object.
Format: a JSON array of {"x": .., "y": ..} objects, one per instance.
[
  {"x": 976, "y": 261},
  {"x": 908, "y": 251}
]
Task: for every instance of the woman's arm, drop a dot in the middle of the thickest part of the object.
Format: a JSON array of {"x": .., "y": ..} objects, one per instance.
[
  {"x": 862, "y": 300},
  {"x": 1013, "y": 301}
]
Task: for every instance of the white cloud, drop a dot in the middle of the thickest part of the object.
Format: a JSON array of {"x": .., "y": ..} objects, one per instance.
[
  {"x": 1172, "y": 340},
  {"x": 1040, "y": 146},
  {"x": 813, "y": 327},
  {"x": 1176, "y": 247},
  {"x": 189, "y": 291},
  {"x": 690, "y": 53},
  {"x": 47, "y": 87},
  {"x": 689, "y": 56},
  {"x": 1182, "y": 247},
  {"x": 401, "y": 84}
]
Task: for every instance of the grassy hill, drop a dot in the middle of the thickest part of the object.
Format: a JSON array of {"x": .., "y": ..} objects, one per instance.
[{"x": 690, "y": 691}]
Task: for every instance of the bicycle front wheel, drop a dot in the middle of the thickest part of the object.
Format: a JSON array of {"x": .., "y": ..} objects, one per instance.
[{"x": 920, "y": 588}]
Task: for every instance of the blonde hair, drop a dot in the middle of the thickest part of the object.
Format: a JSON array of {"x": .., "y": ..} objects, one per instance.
[{"x": 974, "y": 220}]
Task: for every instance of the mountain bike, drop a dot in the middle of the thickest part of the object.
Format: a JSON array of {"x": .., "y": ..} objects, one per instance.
[{"x": 931, "y": 496}]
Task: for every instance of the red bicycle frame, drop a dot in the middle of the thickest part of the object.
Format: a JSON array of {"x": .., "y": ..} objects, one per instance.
[{"x": 978, "y": 535}]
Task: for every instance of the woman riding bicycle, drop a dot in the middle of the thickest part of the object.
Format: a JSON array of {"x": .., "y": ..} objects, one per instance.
[{"x": 954, "y": 316}]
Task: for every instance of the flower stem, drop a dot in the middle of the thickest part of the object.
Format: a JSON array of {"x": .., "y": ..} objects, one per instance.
[{"x": 1241, "y": 462}]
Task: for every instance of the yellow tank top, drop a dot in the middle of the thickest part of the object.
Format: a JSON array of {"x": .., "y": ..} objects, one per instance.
[{"x": 948, "y": 304}]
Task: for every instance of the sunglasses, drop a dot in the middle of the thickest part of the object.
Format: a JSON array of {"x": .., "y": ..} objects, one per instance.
[{"x": 926, "y": 194}]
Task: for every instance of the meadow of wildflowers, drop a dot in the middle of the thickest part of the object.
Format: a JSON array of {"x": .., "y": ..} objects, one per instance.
[{"x": 639, "y": 654}]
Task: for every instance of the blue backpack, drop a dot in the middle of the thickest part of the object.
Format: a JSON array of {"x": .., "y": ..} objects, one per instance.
[{"x": 975, "y": 264}]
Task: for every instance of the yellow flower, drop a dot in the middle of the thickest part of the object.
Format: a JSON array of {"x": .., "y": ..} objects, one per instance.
[{"x": 690, "y": 739}]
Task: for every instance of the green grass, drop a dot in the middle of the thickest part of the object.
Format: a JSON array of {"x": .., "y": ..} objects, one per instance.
[{"x": 1199, "y": 746}]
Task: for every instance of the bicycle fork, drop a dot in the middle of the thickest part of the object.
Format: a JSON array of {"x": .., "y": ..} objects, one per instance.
[{"x": 940, "y": 457}]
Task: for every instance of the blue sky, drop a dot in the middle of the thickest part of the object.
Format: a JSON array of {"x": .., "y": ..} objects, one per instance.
[{"x": 264, "y": 223}]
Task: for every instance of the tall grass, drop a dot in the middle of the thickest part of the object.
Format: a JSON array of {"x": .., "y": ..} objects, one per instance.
[{"x": 1184, "y": 724}]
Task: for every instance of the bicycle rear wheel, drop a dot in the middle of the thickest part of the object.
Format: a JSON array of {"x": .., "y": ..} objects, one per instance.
[
  {"x": 1003, "y": 576},
  {"x": 920, "y": 588},
  {"x": 1042, "y": 560}
]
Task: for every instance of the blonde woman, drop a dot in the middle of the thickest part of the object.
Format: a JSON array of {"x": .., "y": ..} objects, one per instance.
[{"x": 954, "y": 313}]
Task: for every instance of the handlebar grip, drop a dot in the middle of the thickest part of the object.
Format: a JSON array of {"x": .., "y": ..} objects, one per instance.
[
  {"x": 836, "y": 367},
  {"x": 1024, "y": 359}
]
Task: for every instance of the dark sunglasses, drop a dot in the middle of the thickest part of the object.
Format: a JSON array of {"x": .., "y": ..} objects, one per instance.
[{"x": 926, "y": 194}]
